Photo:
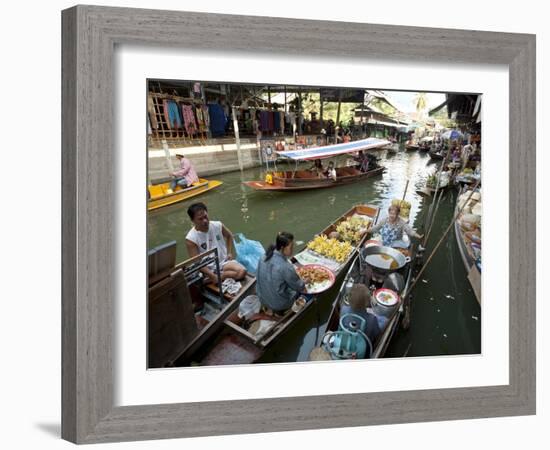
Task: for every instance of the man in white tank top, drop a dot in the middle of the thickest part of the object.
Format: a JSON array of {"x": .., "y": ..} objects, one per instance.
[{"x": 206, "y": 235}]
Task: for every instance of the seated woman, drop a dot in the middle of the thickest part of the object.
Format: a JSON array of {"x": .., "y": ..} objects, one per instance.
[
  {"x": 277, "y": 283},
  {"x": 317, "y": 167},
  {"x": 359, "y": 304},
  {"x": 392, "y": 227}
]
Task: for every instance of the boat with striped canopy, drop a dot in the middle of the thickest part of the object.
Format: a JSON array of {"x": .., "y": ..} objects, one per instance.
[{"x": 296, "y": 180}]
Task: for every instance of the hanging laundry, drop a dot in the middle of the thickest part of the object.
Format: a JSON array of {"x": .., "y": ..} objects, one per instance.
[
  {"x": 172, "y": 115},
  {"x": 276, "y": 122},
  {"x": 189, "y": 119},
  {"x": 264, "y": 121},
  {"x": 206, "y": 116},
  {"x": 201, "y": 120},
  {"x": 282, "y": 121},
  {"x": 218, "y": 119}
]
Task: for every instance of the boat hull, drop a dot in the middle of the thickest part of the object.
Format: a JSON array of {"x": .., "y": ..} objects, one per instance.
[
  {"x": 162, "y": 196},
  {"x": 386, "y": 336},
  {"x": 474, "y": 275},
  {"x": 436, "y": 156},
  {"x": 282, "y": 184}
]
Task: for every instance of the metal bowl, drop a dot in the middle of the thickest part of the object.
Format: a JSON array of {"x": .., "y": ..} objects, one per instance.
[{"x": 384, "y": 259}]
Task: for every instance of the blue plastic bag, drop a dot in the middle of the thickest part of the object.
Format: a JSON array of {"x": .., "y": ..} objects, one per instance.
[{"x": 248, "y": 252}]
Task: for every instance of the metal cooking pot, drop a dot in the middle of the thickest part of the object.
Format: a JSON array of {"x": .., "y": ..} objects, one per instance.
[{"x": 376, "y": 256}]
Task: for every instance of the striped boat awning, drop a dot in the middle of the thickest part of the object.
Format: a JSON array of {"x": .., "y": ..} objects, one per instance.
[{"x": 328, "y": 151}]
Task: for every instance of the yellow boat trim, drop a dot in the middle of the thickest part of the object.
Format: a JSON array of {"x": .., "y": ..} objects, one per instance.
[{"x": 161, "y": 194}]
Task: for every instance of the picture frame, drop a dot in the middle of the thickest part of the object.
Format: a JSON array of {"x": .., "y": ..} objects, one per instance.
[{"x": 90, "y": 34}]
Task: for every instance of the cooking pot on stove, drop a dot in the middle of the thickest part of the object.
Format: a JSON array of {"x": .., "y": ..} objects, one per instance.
[{"x": 384, "y": 259}]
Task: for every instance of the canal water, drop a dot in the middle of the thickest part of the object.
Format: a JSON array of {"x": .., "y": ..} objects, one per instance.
[{"x": 445, "y": 316}]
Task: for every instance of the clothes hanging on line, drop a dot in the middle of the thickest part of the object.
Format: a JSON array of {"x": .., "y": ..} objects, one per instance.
[
  {"x": 218, "y": 119},
  {"x": 264, "y": 121},
  {"x": 189, "y": 119},
  {"x": 201, "y": 119},
  {"x": 276, "y": 121},
  {"x": 171, "y": 114}
]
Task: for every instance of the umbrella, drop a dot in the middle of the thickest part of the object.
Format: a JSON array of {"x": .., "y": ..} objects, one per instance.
[{"x": 452, "y": 134}]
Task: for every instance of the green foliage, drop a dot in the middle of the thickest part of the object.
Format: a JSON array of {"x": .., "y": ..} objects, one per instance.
[
  {"x": 381, "y": 105},
  {"x": 441, "y": 117}
]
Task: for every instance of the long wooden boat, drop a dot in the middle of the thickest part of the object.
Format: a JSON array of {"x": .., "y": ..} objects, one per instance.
[
  {"x": 236, "y": 343},
  {"x": 411, "y": 147},
  {"x": 354, "y": 275},
  {"x": 473, "y": 271},
  {"x": 301, "y": 180},
  {"x": 160, "y": 194}
]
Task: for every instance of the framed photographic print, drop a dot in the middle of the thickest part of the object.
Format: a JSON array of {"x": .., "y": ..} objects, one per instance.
[{"x": 249, "y": 249}]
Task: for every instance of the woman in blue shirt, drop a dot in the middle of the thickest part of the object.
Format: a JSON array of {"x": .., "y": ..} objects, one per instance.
[
  {"x": 392, "y": 228},
  {"x": 277, "y": 283}
]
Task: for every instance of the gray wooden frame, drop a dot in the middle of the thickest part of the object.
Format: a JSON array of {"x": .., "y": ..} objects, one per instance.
[{"x": 89, "y": 36}]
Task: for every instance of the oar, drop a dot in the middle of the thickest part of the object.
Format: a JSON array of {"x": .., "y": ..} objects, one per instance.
[
  {"x": 405, "y": 192},
  {"x": 418, "y": 276}
]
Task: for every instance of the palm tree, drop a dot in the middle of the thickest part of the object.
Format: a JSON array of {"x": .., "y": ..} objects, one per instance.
[{"x": 421, "y": 102}]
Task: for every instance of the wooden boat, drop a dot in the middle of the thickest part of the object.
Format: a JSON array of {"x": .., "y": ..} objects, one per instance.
[
  {"x": 436, "y": 156},
  {"x": 236, "y": 343},
  {"x": 354, "y": 275},
  {"x": 410, "y": 146},
  {"x": 176, "y": 292},
  {"x": 160, "y": 194},
  {"x": 299, "y": 180},
  {"x": 473, "y": 271}
]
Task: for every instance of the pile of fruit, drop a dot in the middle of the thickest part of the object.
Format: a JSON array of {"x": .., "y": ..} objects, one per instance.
[
  {"x": 351, "y": 229},
  {"x": 404, "y": 205},
  {"x": 331, "y": 248}
]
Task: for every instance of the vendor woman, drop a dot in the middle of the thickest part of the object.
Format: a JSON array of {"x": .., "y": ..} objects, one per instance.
[
  {"x": 392, "y": 227},
  {"x": 277, "y": 283}
]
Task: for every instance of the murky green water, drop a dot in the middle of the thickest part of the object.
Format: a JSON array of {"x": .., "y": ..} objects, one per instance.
[{"x": 446, "y": 317}]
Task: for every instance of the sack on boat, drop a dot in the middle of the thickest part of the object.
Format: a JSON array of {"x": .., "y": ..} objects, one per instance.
[
  {"x": 476, "y": 209},
  {"x": 473, "y": 219},
  {"x": 249, "y": 252}
]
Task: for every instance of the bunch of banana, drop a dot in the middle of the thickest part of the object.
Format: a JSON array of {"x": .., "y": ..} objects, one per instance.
[
  {"x": 404, "y": 205},
  {"x": 352, "y": 228},
  {"x": 331, "y": 248}
]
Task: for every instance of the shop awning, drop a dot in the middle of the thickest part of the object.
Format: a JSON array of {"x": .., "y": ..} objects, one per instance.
[{"x": 329, "y": 151}]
